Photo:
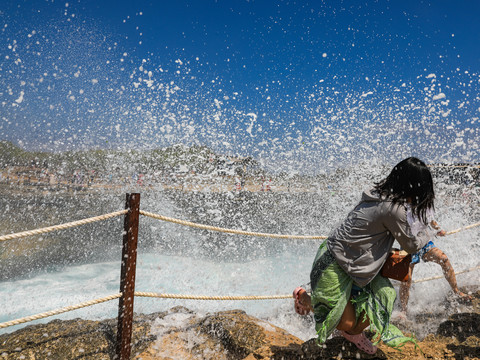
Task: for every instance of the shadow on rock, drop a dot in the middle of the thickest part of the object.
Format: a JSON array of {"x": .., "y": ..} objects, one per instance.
[
  {"x": 336, "y": 348},
  {"x": 465, "y": 327}
]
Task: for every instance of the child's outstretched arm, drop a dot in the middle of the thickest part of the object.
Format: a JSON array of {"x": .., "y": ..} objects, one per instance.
[{"x": 435, "y": 226}]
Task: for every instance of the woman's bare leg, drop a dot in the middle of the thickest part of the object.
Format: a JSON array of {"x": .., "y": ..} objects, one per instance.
[{"x": 348, "y": 321}]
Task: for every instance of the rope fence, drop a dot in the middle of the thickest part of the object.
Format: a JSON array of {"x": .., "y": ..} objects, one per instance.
[
  {"x": 176, "y": 221},
  {"x": 58, "y": 311},
  {"x": 178, "y": 297},
  {"x": 61, "y": 226},
  {"x": 138, "y": 294},
  {"x": 442, "y": 276},
  {"x": 223, "y": 230},
  {"x": 461, "y": 229},
  {"x": 206, "y": 297},
  {"x": 166, "y": 295}
]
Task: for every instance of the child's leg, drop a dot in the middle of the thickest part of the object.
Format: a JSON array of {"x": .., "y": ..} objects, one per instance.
[
  {"x": 438, "y": 256},
  {"x": 405, "y": 290}
]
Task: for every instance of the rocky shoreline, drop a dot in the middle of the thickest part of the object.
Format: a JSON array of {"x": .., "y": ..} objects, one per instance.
[{"x": 184, "y": 335}]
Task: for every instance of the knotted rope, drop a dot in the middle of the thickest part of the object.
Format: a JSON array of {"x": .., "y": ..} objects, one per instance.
[
  {"x": 176, "y": 221},
  {"x": 173, "y": 296},
  {"x": 61, "y": 226},
  {"x": 442, "y": 276},
  {"x": 251, "y": 233},
  {"x": 58, "y": 311},
  {"x": 139, "y": 294},
  {"x": 205, "y": 297},
  {"x": 224, "y": 230},
  {"x": 461, "y": 229}
]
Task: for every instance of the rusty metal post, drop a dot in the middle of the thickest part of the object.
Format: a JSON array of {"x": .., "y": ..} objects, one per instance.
[{"x": 127, "y": 277}]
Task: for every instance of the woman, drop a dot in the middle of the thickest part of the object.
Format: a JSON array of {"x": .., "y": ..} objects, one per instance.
[{"x": 348, "y": 292}]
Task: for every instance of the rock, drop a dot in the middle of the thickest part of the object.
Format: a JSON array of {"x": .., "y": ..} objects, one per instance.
[
  {"x": 461, "y": 326},
  {"x": 180, "y": 334},
  {"x": 468, "y": 349},
  {"x": 71, "y": 339},
  {"x": 465, "y": 327},
  {"x": 225, "y": 335}
]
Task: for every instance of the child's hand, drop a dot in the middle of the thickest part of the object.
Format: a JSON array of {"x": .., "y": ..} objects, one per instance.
[{"x": 441, "y": 233}]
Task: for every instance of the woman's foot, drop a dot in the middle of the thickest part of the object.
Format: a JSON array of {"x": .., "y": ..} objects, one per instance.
[
  {"x": 361, "y": 342},
  {"x": 302, "y": 301}
]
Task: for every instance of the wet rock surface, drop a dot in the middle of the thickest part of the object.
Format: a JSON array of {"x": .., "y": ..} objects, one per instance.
[
  {"x": 229, "y": 335},
  {"x": 72, "y": 339}
]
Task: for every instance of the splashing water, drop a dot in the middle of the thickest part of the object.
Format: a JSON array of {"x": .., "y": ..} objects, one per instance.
[
  {"x": 71, "y": 85},
  {"x": 179, "y": 260}
]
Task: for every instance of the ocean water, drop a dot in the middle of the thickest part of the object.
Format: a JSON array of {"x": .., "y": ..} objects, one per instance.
[{"x": 174, "y": 259}]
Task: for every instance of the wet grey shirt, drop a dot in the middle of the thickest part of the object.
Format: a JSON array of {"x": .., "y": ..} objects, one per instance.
[{"x": 362, "y": 243}]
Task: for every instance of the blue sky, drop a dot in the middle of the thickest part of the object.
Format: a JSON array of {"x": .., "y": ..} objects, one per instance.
[{"x": 296, "y": 84}]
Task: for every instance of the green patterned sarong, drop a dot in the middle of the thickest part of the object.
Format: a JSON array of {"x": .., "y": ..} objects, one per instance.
[{"x": 331, "y": 288}]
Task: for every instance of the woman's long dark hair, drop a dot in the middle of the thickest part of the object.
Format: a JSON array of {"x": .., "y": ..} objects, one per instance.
[{"x": 410, "y": 179}]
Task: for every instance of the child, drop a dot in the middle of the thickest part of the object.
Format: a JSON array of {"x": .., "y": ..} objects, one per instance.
[
  {"x": 428, "y": 253},
  {"x": 348, "y": 292}
]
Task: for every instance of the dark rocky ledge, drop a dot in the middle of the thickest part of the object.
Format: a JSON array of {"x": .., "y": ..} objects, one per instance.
[{"x": 229, "y": 335}]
